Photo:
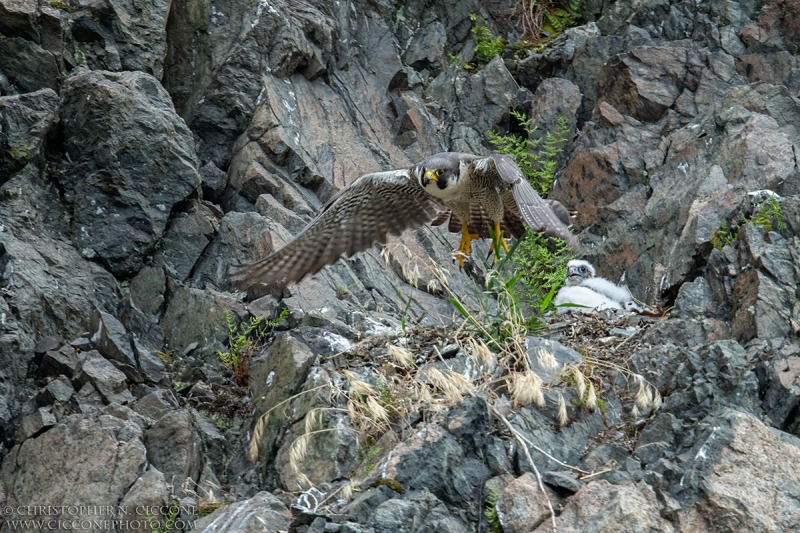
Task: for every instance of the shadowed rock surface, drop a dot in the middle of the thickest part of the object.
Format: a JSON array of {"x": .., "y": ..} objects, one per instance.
[{"x": 146, "y": 148}]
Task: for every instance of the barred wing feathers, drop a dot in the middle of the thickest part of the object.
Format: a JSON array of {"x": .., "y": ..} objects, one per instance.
[
  {"x": 367, "y": 211},
  {"x": 537, "y": 212}
]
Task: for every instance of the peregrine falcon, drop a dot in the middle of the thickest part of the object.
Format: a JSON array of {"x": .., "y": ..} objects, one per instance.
[
  {"x": 469, "y": 192},
  {"x": 584, "y": 288}
]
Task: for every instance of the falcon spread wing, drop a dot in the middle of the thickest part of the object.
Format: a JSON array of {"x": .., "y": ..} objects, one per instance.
[
  {"x": 537, "y": 212},
  {"x": 473, "y": 192},
  {"x": 371, "y": 208}
]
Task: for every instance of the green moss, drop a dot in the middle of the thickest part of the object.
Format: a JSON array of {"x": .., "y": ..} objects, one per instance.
[
  {"x": 61, "y": 6},
  {"x": 390, "y": 483},
  {"x": 490, "y": 512},
  {"x": 20, "y": 154}
]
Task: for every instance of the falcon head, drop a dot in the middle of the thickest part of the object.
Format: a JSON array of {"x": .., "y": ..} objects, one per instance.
[
  {"x": 579, "y": 270},
  {"x": 439, "y": 174}
]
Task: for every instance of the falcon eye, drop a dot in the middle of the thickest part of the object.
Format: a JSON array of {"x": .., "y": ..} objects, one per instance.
[{"x": 438, "y": 172}]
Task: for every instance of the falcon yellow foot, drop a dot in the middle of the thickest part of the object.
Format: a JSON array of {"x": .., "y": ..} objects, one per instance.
[
  {"x": 465, "y": 247},
  {"x": 498, "y": 241}
]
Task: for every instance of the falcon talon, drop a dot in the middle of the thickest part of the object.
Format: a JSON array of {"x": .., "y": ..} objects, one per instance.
[{"x": 465, "y": 190}]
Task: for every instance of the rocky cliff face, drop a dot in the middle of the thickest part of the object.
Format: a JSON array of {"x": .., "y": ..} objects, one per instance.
[{"x": 146, "y": 147}]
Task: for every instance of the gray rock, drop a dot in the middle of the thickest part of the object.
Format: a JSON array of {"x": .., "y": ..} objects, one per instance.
[
  {"x": 738, "y": 463},
  {"x": 152, "y": 368},
  {"x": 275, "y": 375},
  {"x": 58, "y": 390},
  {"x": 241, "y": 238},
  {"x": 216, "y": 453},
  {"x": 539, "y": 349},
  {"x": 520, "y": 505},
  {"x": 156, "y": 404},
  {"x": 33, "y": 425},
  {"x": 193, "y": 315},
  {"x": 47, "y": 343},
  {"x": 123, "y": 412},
  {"x": 65, "y": 361},
  {"x": 150, "y": 491},
  {"x": 363, "y": 504},
  {"x": 416, "y": 511},
  {"x": 185, "y": 239},
  {"x": 330, "y": 454},
  {"x": 718, "y": 373},
  {"x": 480, "y": 100},
  {"x": 214, "y": 179},
  {"x": 554, "y": 99},
  {"x": 27, "y": 119},
  {"x": 32, "y": 67},
  {"x": 249, "y": 516},
  {"x": 782, "y": 395},
  {"x": 91, "y": 460},
  {"x": 110, "y": 338},
  {"x": 694, "y": 299},
  {"x": 174, "y": 447},
  {"x": 110, "y": 382},
  {"x": 147, "y": 290},
  {"x": 433, "y": 460},
  {"x": 269, "y": 207},
  {"x": 123, "y": 139},
  {"x": 645, "y": 83},
  {"x": 763, "y": 295},
  {"x": 600, "y": 506},
  {"x": 89, "y": 401},
  {"x": 564, "y": 479}
]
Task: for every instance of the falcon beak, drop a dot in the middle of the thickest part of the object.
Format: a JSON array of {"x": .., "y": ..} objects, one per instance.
[{"x": 431, "y": 175}]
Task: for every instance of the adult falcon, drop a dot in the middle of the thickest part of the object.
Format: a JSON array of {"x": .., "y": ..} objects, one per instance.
[{"x": 474, "y": 193}]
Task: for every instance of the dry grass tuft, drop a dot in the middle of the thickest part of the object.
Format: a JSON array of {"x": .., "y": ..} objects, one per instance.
[
  {"x": 526, "y": 388},
  {"x": 546, "y": 359},
  {"x": 402, "y": 356}
]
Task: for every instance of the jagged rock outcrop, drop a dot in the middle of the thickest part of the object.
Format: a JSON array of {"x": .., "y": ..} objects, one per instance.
[{"x": 146, "y": 148}]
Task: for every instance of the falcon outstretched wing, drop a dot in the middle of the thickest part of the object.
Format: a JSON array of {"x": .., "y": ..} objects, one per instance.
[
  {"x": 537, "y": 212},
  {"x": 367, "y": 211}
]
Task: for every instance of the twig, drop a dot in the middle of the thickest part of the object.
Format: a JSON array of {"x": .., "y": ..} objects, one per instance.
[
  {"x": 596, "y": 473},
  {"x": 522, "y": 441}
]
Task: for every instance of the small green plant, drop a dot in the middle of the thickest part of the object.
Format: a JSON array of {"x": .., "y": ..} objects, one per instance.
[
  {"x": 341, "y": 291},
  {"x": 243, "y": 340},
  {"x": 487, "y": 45},
  {"x": 20, "y": 153},
  {"x": 406, "y": 307},
  {"x": 723, "y": 236},
  {"x": 543, "y": 20},
  {"x": 500, "y": 320},
  {"x": 490, "y": 511},
  {"x": 536, "y": 156},
  {"x": 542, "y": 262},
  {"x": 769, "y": 216}
]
